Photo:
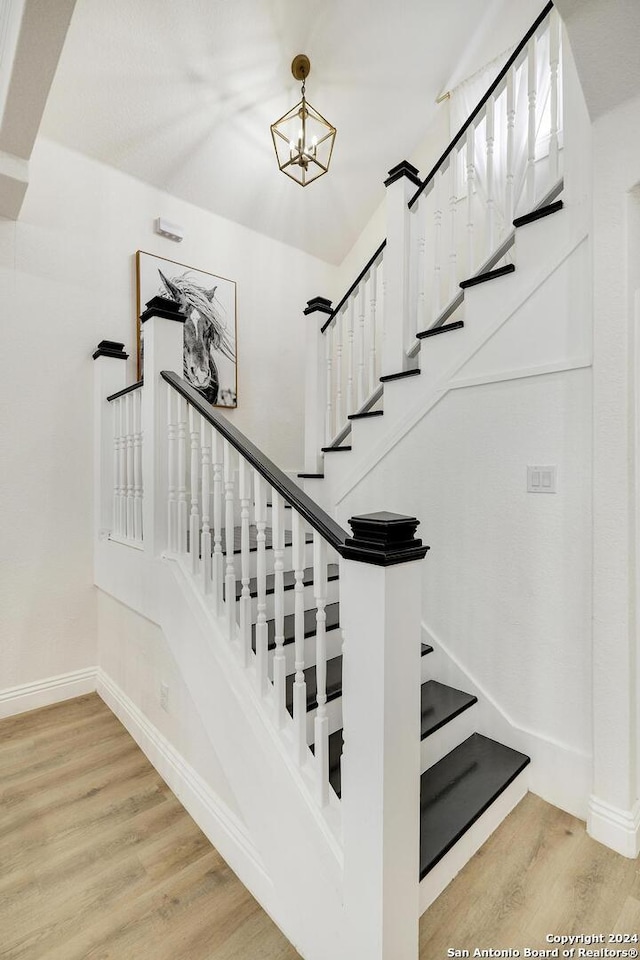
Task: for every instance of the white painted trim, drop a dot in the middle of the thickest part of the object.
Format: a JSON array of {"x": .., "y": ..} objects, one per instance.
[
  {"x": 617, "y": 829},
  {"x": 220, "y": 825},
  {"x": 522, "y": 373},
  {"x": 559, "y": 773},
  {"x": 43, "y": 693},
  {"x": 452, "y": 863}
]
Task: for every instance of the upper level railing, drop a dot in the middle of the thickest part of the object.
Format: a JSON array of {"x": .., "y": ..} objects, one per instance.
[
  {"x": 503, "y": 160},
  {"x": 127, "y": 462}
]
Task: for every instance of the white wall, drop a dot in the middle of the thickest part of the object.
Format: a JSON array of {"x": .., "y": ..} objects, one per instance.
[{"x": 67, "y": 280}]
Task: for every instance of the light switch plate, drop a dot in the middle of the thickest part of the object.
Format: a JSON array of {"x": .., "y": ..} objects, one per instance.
[{"x": 542, "y": 479}]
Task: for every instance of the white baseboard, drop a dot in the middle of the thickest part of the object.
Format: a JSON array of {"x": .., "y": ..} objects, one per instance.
[
  {"x": 219, "y": 824},
  {"x": 452, "y": 863},
  {"x": 616, "y": 828},
  {"x": 43, "y": 693}
]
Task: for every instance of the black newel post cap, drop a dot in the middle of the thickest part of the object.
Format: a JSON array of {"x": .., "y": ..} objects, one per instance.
[
  {"x": 318, "y": 305},
  {"x": 162, "y": 307},
  {"x": 403, "y": 169},
  {"x": 110, "y": 348},
  {"x": 383, "y": 539}
]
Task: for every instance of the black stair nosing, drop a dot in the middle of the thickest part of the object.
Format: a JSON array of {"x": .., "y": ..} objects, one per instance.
[
  {"x": 335, "y": 449},
  {"x": 456, "y": 791},
  {"x": 333, "y": 684},
  {"x": 333, "y": 573},
  {"x": 311, "y": 476},
  {"x": 445, "y": 328},
  {"x": 367, "y": 413},
  {"x": 489, "y": 275},
  {"x": 287, "y": 506},
  {"x": 336, "y": 745},
  {"x": 332, "y": 611},
  {"x": 439, "y": 704},
  {"x": 425, "y": 648},
  {"x": 399, "y": 376},
  {"x": 538, "y": 214}
]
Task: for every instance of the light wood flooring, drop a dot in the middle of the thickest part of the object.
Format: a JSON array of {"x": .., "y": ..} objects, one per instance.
[{"x": 98, "y": 861}]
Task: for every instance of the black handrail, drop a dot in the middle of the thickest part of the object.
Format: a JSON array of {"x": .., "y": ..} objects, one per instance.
[
  {"x": 472, "y": 116},
  {"x": 129, "y": 389},
  {"x": 292, "y": 493},
  {"x": 353, "y": 286}
]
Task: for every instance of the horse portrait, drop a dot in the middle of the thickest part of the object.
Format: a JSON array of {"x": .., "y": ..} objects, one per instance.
[{"x": 208, "y": 305}]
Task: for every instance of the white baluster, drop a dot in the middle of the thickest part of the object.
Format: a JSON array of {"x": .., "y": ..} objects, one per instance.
[
  {"x": 339, "y": 332},
  {"x": 328, "y": 423},
  {"x": 229, "y": 536},
  {"x": 471, "y": 176},
  {"x": 115, "y": 520},
  {"x": 194, "y": 519},
  {"x": 511, "y": 134},
  {"x": 123, "y": 468},
  {"x": 321, "y": 725},
  {"x": 362, "y": 292},
  {"x": 130, "y": 484},
  {"x": 350, "y": 359},
  {"x": 532, "y": 82},
  {"x": 245, "y": 597},
  {"x": 554, "y": 59},
  {"x": 437, "y": 242},
  {"x": 490, "y": 140},
  {"x": 453, "y": 204},
  {"x": 217, "y": 564},
  {"x": 182, "y": 475},
  {"x": 262, "y": 637},
  {"x": 205, "y": 549},
  {"x": 421, "y": 266},
  {"x": 137, "y": 465},
  {"x": 172, "y": 469},
  {"x": 299, "y": 685},
  {"x": 279, "y": 662},
  {"x": 373, "y": 328}
]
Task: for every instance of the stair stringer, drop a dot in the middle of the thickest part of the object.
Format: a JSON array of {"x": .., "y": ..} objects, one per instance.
[
  {"x": 297, "y": 874},
  {"x": 541, "y": 248}
]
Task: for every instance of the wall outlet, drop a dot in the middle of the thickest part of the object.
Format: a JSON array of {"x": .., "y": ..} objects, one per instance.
[
  {"x": 542, "y": 479},
  {"x": 164, "y": 696}
]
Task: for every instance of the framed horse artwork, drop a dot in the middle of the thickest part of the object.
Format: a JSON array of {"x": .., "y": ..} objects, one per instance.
[{"x": 209, "y": 305}]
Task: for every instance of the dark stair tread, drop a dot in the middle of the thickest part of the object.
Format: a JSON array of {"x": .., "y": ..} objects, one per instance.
[
  {"x": 334, "y": 684},
  {"x": 311, "y": 476},
  {"x": 539, "y": 213},
  {"x": 458, "y": 789},
  {"x": 425, "y": 648},
  {"x": 289, "y": 580},
  {"x": 489, "y": 275},
  {"x": 367, "y": 413},
  {"x": 336, "y": 744},
  {"x": 399, "y": 376},
  {"x": 445, "y": 328},
  {"x": 439, "y": 704},
  {"x": 336, "y": 449},
  {"x": 253, "y": 539},
  {"x": 332, "y": 623}
]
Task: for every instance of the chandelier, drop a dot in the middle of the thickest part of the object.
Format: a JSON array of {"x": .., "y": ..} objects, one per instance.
[{"x": 302, "y": 138}]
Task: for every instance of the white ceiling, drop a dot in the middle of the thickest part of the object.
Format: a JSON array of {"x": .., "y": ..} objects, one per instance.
[{"x": 181, "y": 95}]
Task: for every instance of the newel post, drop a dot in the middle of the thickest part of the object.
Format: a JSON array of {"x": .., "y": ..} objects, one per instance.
[
  {"x": 109, "y": 376},
  {"x": 401, "y": 185},
  {"x": 315, "y": 396},
  {"x": 380, "y": 616},
  {"x": 163, "y": 332}
]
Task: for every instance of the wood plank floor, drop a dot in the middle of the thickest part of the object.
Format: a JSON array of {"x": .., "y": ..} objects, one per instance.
[
  {"x": 99, "y": 861},
  {"x": 538, "y": 874}
]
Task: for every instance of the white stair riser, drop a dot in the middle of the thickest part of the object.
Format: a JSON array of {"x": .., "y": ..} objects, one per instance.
[
  {"x": 333, "y": 594},
  {"x": 438, "y": 744},
  {"x": 334, "y": 649},
  {"x": 288, "y": 518},
  {"x": 270, "y": 560},
  {"x": 334, "y": 714}
]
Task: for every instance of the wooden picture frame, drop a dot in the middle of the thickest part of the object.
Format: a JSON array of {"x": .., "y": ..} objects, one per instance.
[{"x": 210, "y": 331}]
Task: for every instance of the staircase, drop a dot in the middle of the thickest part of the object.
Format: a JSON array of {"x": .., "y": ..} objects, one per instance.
[{"x": 365, "y": 779}]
